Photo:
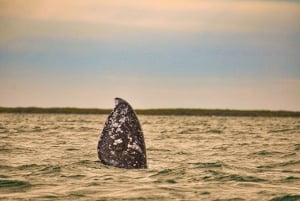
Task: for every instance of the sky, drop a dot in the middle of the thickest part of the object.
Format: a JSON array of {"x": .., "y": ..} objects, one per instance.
[{"x": 225, "y": 54}]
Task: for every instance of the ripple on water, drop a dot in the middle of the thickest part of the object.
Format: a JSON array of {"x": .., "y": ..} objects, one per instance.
[
  {"x": 163, "y": 172},
  {"x": 266, "y": 153},
  {"x": 39, "y": 170},
  {"x": 230, "y": 199},
  {"x": 224, "y": 177},
  {"x": 291, "y": 179},
  {"x": 53, "y": 157},
  {"x": 287, "y": 198},
  {"x": 14, "y": 185},
  {"x": 283, "y": 164},
  {"x": 215, "y": 131},
  {"x": 207, "y": 165},
  {"x": 29, "y": 166},
  {"x": 297, "y": 147},
  {"x": 4, "y": 150}
]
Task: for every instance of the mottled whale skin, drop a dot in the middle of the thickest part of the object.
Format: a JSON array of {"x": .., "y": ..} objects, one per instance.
[{"x": 121, "y": 143}]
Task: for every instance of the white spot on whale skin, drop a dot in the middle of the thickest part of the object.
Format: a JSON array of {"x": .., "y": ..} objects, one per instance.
[
  {"x": 119, "y": 130},
  {"x": 118, "y": 141},
  {"x": 122, "y": 120},
  {"x": 124, "y": 111},
  {"x": 113, "y": 162},
  {"x": 135, "y": 147},
  {"x": 116, "y": 101},
  {"x": 115, "y": 125}
]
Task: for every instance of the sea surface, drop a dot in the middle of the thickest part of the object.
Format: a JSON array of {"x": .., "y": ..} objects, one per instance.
[{"x": 54, "y": 157}]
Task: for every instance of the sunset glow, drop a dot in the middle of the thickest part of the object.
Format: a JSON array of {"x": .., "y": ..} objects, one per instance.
[{"x": 171, "y": 53}]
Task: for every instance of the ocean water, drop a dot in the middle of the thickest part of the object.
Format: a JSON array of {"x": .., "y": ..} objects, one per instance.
[{"x": 54, "y": 157}]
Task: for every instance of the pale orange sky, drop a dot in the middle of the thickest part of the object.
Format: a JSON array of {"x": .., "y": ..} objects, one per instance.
[{"x": 172, "y": 53}]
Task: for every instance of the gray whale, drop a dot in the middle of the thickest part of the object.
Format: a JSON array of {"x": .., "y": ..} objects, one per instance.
[{"x": 121, "y": 143}]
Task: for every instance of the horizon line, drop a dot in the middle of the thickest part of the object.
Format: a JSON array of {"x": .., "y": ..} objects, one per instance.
[
  {"x": 154, "y": 111},
  {"x": 152, "y": 108}
]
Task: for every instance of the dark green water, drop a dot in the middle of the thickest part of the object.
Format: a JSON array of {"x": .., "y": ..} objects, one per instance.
[{"x": 53, "y": 157}]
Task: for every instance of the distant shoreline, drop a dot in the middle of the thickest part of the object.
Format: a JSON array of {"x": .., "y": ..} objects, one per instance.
[{"x": 176, "y": 112}]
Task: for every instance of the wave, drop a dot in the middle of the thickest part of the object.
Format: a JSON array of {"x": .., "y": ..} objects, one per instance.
[
  {"x": 14, "y": 185},
  {"x": 287, "y": 198},
  {"x": 283, "y": 164},
  {"x": 208, "y": 165},
  {"x": 220, "y": 176}
]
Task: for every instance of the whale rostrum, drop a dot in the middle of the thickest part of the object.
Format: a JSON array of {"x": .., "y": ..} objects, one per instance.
[{"x": 121, "y": 143}]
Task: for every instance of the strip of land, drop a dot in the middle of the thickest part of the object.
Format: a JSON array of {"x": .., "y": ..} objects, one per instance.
[{"x": 177, "y": 112}]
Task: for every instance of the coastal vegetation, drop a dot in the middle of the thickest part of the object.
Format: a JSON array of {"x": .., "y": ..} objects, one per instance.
[{"x": 175, "y": 111}]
